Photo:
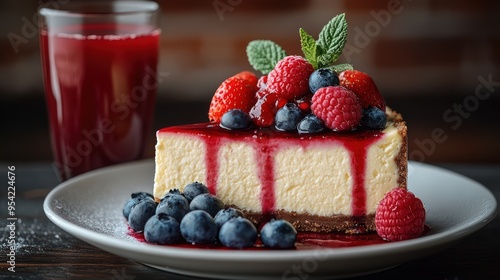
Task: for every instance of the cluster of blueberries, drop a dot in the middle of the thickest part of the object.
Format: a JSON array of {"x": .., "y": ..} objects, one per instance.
[
  {"x": 291, "y": 118},
  {"x": 199, "y": 217}
]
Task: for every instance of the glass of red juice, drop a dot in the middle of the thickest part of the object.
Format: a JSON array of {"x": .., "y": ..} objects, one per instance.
[{"x": 99, "y": 62}]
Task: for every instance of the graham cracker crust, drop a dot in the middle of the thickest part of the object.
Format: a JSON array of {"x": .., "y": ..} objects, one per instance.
[{"x": 312, "y": 223}]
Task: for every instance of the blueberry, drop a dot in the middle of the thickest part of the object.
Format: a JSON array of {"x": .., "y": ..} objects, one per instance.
[
  {"x": 373, "y": 118},
  {"x": 173, "y": 204},
  {"x": 238, "y": 233},
  {"x": 310, "y": 124},
  {"x": 278, "y": 234},
  {"x": 198, "y": 227},
  {"x": 236, "y": 119},
  {"x": 194, "y": 189},
  {"x": 140, "y": 214},
  {"x": 288, "y": 117},
  {"x": 207, "y": 202},
  {"x": 134, "y": 199},
  {"x": 162, "y": 229},
  {"x": 322, "y": 77},
  {"x": 225, "y": 215}
]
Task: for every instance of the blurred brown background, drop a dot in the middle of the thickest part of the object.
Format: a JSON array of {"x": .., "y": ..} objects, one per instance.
[{"x": 436, "y": 62}]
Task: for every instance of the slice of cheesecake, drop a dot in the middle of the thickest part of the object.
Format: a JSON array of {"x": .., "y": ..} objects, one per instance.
[{"x": 323, "y": 182}]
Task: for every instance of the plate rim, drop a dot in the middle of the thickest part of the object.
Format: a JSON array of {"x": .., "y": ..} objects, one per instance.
[{"x": 418, "y": 244}]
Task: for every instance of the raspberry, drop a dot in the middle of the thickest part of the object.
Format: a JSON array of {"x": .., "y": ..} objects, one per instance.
[
  {"x": 233, "y": 93},
  {"x": 338, "y": 107},
  {"x": 290, "y": 77},
  {"x": 400, "y": 216}
]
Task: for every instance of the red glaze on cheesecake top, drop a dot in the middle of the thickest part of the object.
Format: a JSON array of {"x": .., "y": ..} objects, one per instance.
[{"x": 356, "y": 142}]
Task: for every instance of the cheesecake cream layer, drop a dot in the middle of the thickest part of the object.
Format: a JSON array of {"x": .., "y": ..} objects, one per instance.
[{"x": 336, "y": 175}]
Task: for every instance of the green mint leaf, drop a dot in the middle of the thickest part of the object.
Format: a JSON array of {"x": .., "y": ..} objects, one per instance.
[
  {"x": 264, "y": 54},
  {"x": 341, "y": 67},
  {"x": 332, "y": 39},
  {"x": 309, "y": 47}
]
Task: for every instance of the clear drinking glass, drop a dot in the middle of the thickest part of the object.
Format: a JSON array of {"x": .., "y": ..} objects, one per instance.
[{"x": 99, "y": 63}]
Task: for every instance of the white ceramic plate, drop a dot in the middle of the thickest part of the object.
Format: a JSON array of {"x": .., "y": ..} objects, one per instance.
[{"x": 89, "y": 207}]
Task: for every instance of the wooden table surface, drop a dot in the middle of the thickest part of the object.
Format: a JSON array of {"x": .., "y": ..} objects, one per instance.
[{"x": 46, "y": 252}]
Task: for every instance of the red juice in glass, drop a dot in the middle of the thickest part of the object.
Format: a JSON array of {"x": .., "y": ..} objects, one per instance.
[{"x": 100, "y": 91}]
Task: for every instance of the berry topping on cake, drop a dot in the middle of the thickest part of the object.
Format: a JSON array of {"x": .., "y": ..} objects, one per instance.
[
  {"x": 238, "y": 233},
  {"x": 288, "y": 117},
  {"x": 290, "y": 77},
  {"x": 322, "y": 77},
  {"x": 374, "y": 118},
  {"x": 296, "y": 79},
  {"x": 162, "y": 229},
  {"x": 278, "y": 234},
  {"x": 338, "y": 107},
  {"x": 364, "y": 87},
  {"x": 233, "y": 93},
  {"x": 400, "y": 215}
]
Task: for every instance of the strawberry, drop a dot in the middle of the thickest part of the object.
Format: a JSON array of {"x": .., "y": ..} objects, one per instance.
[
  {"x": 364, "y": 87},
  {"x": 233, "y": 93},
  {"x": 248, "y": 76}
]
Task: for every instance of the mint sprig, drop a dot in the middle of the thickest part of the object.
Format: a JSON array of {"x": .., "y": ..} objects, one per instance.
[
  {"x": 330, "y": 44},
  {"x": 309, "y": 47},
  {"x": 332, "y": 38},
  {"x": 264, "y": 54}
]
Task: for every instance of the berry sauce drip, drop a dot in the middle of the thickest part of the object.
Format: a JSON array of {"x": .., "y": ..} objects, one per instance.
[
  {"x": 212, "y": 145},
  {"x": 356, "y": 142},
  {"x": 357, "y": 151},
  {"x": 265, "y": 163}
]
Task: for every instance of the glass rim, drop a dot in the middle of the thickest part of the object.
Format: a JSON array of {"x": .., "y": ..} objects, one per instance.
[{"x": 134, "y": 7}]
